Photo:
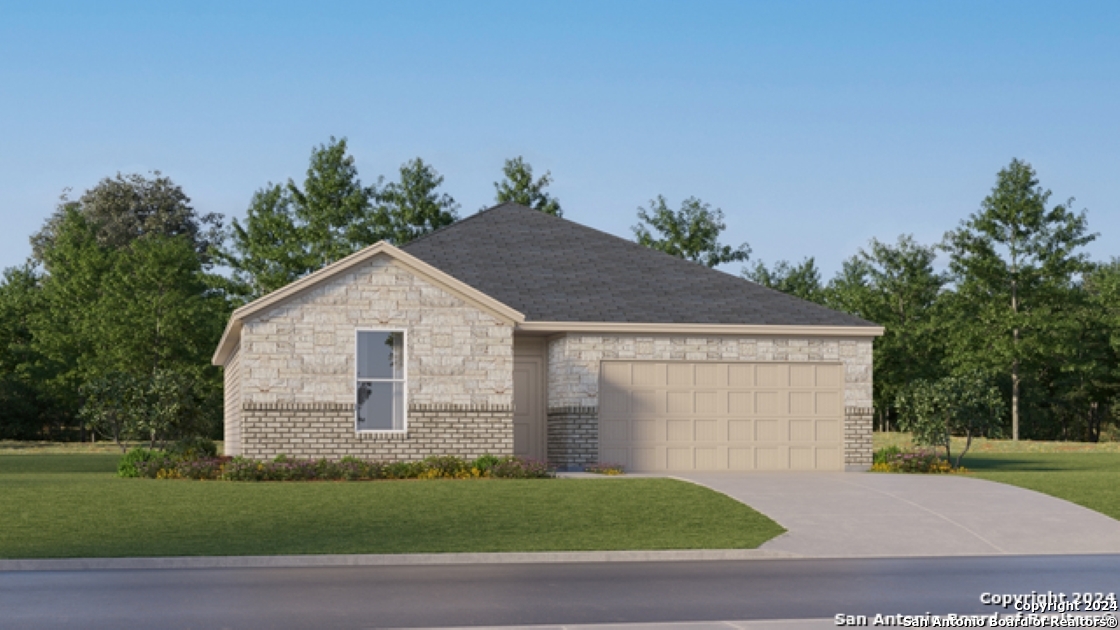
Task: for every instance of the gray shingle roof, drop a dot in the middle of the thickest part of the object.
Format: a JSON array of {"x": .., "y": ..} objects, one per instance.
[{"x": 552, "y": 269}]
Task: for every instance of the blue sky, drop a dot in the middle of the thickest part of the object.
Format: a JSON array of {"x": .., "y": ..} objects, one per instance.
[{"x": 814, "y": 125}]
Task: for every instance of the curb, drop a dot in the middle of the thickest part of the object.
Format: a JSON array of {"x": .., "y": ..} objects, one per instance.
[{"x": 387, "y": 560}]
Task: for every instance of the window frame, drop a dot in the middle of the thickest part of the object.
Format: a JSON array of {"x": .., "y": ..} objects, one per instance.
[{"x": 403, "y": 380}]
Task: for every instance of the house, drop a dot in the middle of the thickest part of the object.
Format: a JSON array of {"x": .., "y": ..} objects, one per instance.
[{"x": 513, "y": 331}]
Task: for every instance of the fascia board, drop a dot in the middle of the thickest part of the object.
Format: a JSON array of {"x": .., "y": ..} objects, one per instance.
[{"x": 701, "y": 329}]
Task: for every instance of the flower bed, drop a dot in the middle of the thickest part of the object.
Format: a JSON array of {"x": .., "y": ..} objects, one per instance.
[
  {"x": 604, "y": 469},
  {"x": 894, "y": 459},
  {"x": 164, "y": 465}
]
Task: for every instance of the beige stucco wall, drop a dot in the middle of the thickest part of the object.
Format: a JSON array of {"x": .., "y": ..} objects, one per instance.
[
  {"x": 302, "y": 350},
  {"x": 573, "y": 359}
]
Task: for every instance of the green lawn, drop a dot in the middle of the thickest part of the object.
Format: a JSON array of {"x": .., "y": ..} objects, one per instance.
[
  {"x": 1088, "y": 479},
  {"x": 1087, "y": 474},
  {"x": 57, "y": 506}
]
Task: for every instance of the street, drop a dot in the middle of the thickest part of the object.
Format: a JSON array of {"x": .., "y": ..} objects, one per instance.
[{"x": 530, "y": 594}]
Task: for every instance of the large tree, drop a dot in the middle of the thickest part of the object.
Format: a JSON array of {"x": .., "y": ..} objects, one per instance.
[
  {"x": 802, "y": 280},
  {"x": 1011, "y": 263},
  {"x": 520, "y": 187},
  {"x": 896, "y": 286},
  {"x": 291, "y": 231},
  {"x": 691, "y": 233},
  {"x": 412, "y": 206},
  {"x": 126, "y": 207}
]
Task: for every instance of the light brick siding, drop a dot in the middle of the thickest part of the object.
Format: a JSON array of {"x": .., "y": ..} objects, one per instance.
[
  {"x": 326, "y": 430},
  {"x": 302, "y": 351},
  {"x": 231, "y": 434},
  {"x": 857, "y": 437},
  {"x": 291, "y": 385},
  {"x": 573, "y": 437},
  {"x": 574, "y": 359}
]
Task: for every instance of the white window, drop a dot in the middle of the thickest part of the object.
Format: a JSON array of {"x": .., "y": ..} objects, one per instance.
[{"x": 381, "y": 383}]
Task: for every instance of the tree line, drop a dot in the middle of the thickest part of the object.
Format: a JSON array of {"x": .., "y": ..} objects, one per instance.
[{"x": 109, "y": 326}]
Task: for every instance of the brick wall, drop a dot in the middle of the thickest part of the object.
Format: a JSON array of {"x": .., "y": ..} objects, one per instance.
[
  {"x": 315, "y": 430},
  {"x": 573, "y": 437},
  {"x": 857, "y": 438}
]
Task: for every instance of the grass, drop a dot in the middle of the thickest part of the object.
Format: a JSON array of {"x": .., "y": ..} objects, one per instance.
[
  {"x": 17, "y": 447},
  {"x": 72, "y": 505},
  {"x": 1087, "y": 474}
]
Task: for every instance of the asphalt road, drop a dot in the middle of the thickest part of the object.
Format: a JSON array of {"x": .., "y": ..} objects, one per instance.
[{"x": 434, "y": 596}]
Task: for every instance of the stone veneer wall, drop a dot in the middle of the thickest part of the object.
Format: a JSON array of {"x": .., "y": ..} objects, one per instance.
[
  {"x": 573, "y": 437},
  {"x": 858, "y": 449},
  {"x": 302, "y": 350},
  {"x": 326, "y": 430},
  {"x": 573, "y": 371}
]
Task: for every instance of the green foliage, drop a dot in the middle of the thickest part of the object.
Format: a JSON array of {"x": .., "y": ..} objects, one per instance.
[
  {"x": 129, "y": 207},
  {"x": 921, "y": 461},
  {"x": 291, "y": 231},
  {"x": 605, "y": 469},
  {"x": 933, "y": 411},
  {"x": 691, "y": 233},
  {"x": 885, "y": 454},
  {"x": 27, "y": 410},
  {"x": 895, "y": 286},
  {"x": 411, "y": 207},
  {"x": 802, "y": 280},
  {"x": 1012, "y": 262},
  {"x": 520, "y": 187},
  {"x": 196, "y": 460},
  {"x": 127, "y": 466}
]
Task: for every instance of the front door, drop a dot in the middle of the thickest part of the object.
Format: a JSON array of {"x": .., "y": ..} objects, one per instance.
[{"x": 528, "y": 409}]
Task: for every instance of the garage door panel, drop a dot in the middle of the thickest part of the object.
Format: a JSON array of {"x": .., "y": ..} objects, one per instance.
[
  {"x": 802, "y": 403},
  {"x": 828, "y": 431},
  {"x": 648, "y": 374},
  {"x": 802, "y": 376},
  {"x": 722, "y": 416},
  {"x": 772, "y": 458},
  {"x": 706, "y": 459},
  {"x": 678, "y": 458},
  {"x": 679, "y": 402},
  {"x": 681, "y": 375},
  {"x": 678, "y": 431},
  {"x": 802, "y": 458},
  {"x": 828, "y": 404},
  {"x": 740, "y": 403},
  {"x": 768, "y": 403},
  {"x": 617, "y": 375},
  {"x": 829, "y": 459},
  {"x": 802, "y": 431},
  {"x": 707, "y": 431},
  {"x": 613, "y": 431},
  {"x": 740, "y": 431},
  {"x": 740, "y": 376}
]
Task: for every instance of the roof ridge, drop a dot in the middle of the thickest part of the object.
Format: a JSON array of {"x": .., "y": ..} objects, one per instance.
[{"x": 463, "y": 220}]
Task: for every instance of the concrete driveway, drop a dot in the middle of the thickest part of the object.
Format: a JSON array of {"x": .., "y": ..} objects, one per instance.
[{"x": 866, "y": 515}]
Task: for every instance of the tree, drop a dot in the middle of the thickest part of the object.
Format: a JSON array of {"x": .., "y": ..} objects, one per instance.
[
  {"x": 895, "y": 286},
  {"x": 25, "y": 411},
  {"x": 519, "y": 187},
  {"x": 291, "y": 231},
  {"x": 411, "y": 207},
  {"x": 691, "y": 233},
  {"x": 1010, "y": 262},
  {"x": 934, "y": 411},
  {"x": 802, "y": 280},
  {"x": 128, "y": 207}
]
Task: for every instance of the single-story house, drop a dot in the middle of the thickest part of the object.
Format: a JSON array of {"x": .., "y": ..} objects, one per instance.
[{"x": 516, "y": 332}]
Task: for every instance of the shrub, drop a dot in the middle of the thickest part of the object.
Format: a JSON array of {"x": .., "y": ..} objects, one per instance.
[
  {"x": 604, "y": 469},
  {"x": 127, "y": 466},
  {"x": 485, "y": 463},
  {"x": 921, "y": 461},
  {"x": 193, "y": 448},
  {"x": 520, "y": 468},
  {"x": 885, "y": 455}
]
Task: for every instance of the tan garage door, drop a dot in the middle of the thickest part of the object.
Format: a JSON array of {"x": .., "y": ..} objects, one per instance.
[{"x": 657, "y": 416}]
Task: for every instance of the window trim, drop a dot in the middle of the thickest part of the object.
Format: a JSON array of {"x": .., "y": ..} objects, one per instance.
[{"x": 403, "y": 381}]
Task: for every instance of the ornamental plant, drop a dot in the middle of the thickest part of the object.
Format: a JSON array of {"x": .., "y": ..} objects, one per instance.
[
  {"x": 604, "y": 469},
  {"x": 154, "y": 464},
  {"x": 933, "y": 411}
]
